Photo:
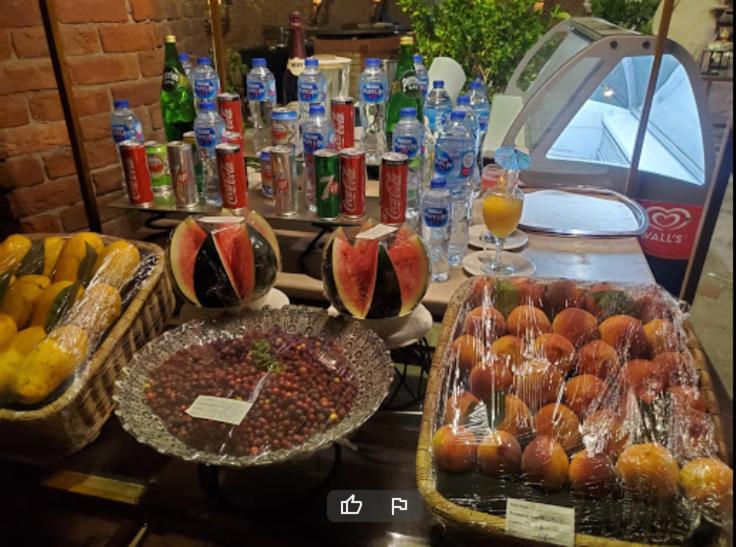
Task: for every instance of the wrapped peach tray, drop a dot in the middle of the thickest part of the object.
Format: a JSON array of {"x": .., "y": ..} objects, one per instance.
[{"x": 573, "y": 412}]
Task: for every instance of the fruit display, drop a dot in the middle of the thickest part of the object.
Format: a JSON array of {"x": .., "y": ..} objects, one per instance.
[
  {"x": 58, "y": 295},
  {"x": 581, "y": 395},
  {"x": 375, "y": 272},
  {"x": 224, "y": 262}
]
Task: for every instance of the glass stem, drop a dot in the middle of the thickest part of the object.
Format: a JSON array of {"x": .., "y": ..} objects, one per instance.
[{"x": 499, "y": 249}]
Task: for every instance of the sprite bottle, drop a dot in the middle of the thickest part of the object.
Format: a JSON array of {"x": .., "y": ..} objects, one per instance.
[
  {"x": 177, "y": 100},
  {"x": 405, "y": 89}
]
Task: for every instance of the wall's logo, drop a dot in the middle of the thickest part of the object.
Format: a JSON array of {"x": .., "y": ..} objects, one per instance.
[
  {"x": 669, "y": 219},
  {"x": 672, "y": 229}
]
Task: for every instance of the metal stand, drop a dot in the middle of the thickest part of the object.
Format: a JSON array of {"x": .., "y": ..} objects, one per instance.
[{"x": 419, "y": 354}]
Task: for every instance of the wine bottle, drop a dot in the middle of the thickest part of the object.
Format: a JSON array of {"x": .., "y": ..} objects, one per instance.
[{"x": 297, "y": 55}]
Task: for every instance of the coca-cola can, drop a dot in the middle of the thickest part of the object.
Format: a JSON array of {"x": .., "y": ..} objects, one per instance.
[
  {"x": 229, "y": 106},
  {"x": 183, "y": 176},
  {"x": 283, "y": 171},
  {"x": 343, "y": 122},
  {"x": 352, "y": 182},
  {"x": 233, "y": 137},
  {"x": 266, "y": 176},
  {"x": 231, "y": 172},
  {"x": 137, "y": 177},
  {"x": 392, "y": 187}
]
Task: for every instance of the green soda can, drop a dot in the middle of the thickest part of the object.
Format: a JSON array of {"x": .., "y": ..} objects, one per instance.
[
  {"x": 158, "y": 167},
  {"x": 327, "y": 176},
  {"x": 191, "y": 139}
]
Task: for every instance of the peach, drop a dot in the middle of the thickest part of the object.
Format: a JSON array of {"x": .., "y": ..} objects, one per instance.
[
  {"x": 527, "y": 321},
  {"x": 625, "y": 334},
  {"x": 482, "y": 291},
  {"x": 454, "y": 449},
  {"x": 556, "y": 349},
  {"x": 645, "y": 378},
  {"x": 651, "y": 306},
  {"x": 581, "y": 392},
  {"x": 544, "y": 462},
  {"x": 485, "y": 322},
  {"x": 459, "y": 406},
  {"x": 467, "y": 350},
  {"x": 499, "y": 453},
  {"x": 563, "y": 294},
  {"x": 709, "y": 483},
  {"x": 676, "y": 367},
  {"x": 694, "y": 434},
  {"x": 591, "y": 300},
  {"x": 687, "y": 397},
  {"x": 591, "y": 474},
  {"x": 537, "y": 383},
  {"x": 648, "y": 471},
  {"x": 604, "y": 432},
  {"x": 661, "y": 336},
  {"x": 578, "y": 326},
  {"x": 517, "y": 418},
  {"x": 485, "y": 378},
  {"x": 510, "y": 346},
  {"x": 597, "y": 358},
  {"x": 530, "y": 292},
  {"x": 561, "y": 423}
]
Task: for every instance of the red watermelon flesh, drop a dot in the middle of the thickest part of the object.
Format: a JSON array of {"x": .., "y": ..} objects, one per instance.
[
  {"x": 236, "y": 251},
  {"x": 355, "y": 269},
  {"x": 411, "y": 264},
  {"x": 185, "y": 244}
]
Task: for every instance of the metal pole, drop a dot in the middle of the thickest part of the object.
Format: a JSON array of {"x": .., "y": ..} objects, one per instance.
[
  {"x": 66, "y": 95},
  {"x": 217, "y": 42},
  {"x": 664, "y": 27}
]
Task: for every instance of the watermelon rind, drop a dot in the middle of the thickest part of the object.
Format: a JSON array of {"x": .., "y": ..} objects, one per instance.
[
  {"x": 256, "y": 221},
  {"x": 265, "y": 260},
  {"x": 354, "y": 270},
  {"x": 186, "y": 242},
  {"x": 387, "y": 295},
  {"x": 236, "y": 254},
  {"x": 213, "y": 284},
  {"x": 411, "y": 264}
]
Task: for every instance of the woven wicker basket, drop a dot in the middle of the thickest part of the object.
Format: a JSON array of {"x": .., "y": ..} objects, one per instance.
[
  {"x": 479, "y": 523},
  {"x": 75, "y": 418}
]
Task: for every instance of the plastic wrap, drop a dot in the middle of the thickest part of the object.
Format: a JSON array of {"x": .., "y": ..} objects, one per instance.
[
  {"x": 583, "y": 396},
  {"x": 301, "y": 378}
]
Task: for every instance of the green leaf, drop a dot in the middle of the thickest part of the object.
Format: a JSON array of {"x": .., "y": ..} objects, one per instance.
[
  {"x": 5, "y": 279},
  {"x": 507, "y": 296},
  {"x": 61, "y": 304},
  {"x": 87, "y": 265},
  {"x": 614, "y": 302},
  {"x": 32, "y": 263}
]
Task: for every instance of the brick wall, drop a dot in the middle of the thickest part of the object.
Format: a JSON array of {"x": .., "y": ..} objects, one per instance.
[{"x": 114, "y": 50}]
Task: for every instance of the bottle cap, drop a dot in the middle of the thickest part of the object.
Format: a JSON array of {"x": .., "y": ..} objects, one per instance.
[
  {"x": 457, "y": 115},
  {"x": 183, "y": 57},
  {"x": 204, "y": 61},
  {"x": 463, "y": 100},
  {"x": 438, "y": 84},
  {"x": 316, "y": 110},
  {"x": 408, "y": 112},
  {"x": 170, "y": 39},
  {"x": 373, "y": 62},
  {"x": 438, "y": 182},
  {"x": 311, "y": 62},
  {"x": 417, "y": 58},
  {"x": 120, "y": 103},
  {"x": 259, "y": 62},
  {"x": 207, "y": 106},
  {"x": 476, "y": 84},
  {"x": 284, "y": 114},
  {"x": 406, "y": 41}
]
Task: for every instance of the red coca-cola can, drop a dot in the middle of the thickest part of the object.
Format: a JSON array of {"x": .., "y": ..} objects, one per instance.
[
  {"x": 233, "y": 137},
  {"x": 233, "y": 179},
  {"x": 229, "y": 106},
  {"x": 392, "y": 187},
  {"x": 352, "y": 182},
  {"x": 343, "y": 122},
  {"x": 137, "y": 176}
]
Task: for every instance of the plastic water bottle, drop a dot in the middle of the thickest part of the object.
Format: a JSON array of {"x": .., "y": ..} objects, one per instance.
[
  {"x": 454, "y": 159},
  {"x": 206, "y": 81},
  {"x": 479, "y": 102},
  {"x": 312, "y": 88},
  {"x": 436, "y": 227},
  {"x": 187, "y": 65},
  {"x": 437, "y": 106},
  {"x": 408, "y": 138},
  {"x": 373, "y": 96},
  {"x": 208, "y": 129},
  {"x": 422, "y": 75},
  {"x": 261, "y": 86},
  {"x": 471, "y": 120},
  {"x": 316, "y": 135}
]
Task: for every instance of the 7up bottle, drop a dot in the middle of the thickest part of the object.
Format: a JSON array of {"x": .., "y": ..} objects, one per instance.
[
  {"x": 327, "y": 174},
  {"x": 177, "y": 102}
]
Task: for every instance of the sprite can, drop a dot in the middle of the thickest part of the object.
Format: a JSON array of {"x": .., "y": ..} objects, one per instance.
[{"x": 327, "y": 176}]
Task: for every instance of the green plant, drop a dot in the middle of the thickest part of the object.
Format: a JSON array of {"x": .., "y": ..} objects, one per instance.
[
  {"x": 235, "y": 71},
  {"x": 487, "y": 37},
  {"x": 631, "y": 14}
]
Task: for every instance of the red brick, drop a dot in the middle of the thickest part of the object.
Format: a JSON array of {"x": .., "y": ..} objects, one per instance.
[
  {"x": 45, "y": 224},
  {"x": 103, "y": 69},
  {"x": 91, "y": 11},
  {"x": 19, "y": 76},
  {"x": 92, "y": 101},
  {"x": 20, "y": 172},
  {"x": 6, "y": 49},
  {"x": 121, "y": 38},
  {"x": 46, "y": 106},
  {"x": 146, "y": 9},
  {"x": 30, "y": 42},
  {"x": 74, "y": 218},
  {"x": 80, "y": 40},
  {"x": 155, "y": 112},
  {"x": 33, "y": 138},
  {"x": 96, "y": 127},
  {"x": 152, "y": 62},
  {"x": 60, "y": 163},
  {"x": 142, "y": 92},
  {"x": 19, "y": 13},
  {"x": 13, "y": 111},
  {"x": 42, "y": 197},
  {"x": 108, "y": 179},
  {"x": 101, "y": 153}
]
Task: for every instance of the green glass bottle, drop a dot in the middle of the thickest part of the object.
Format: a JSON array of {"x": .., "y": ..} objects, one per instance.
[
  {"x": 405, "y": 89},
  {"x": 177, "y": 98}
]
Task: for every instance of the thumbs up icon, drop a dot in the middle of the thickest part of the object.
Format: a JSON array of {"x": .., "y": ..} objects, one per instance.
[{"x": 350, "y": 506}]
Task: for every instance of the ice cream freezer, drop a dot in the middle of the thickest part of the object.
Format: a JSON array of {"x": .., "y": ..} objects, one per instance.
[{"x": 575, "y": 101}]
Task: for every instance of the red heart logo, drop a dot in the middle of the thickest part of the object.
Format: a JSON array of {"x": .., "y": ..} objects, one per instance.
[{"x": 668, "y": 219}]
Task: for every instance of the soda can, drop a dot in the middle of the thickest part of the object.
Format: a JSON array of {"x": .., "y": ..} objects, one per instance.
[
  {"x": 191, "y": 139},
  {"x": 392, "y": 187},
  {"x": 343, "y": 122},
  {"x": 327, "y": 177},
  {"x": 158, "y": 165},
  {"x": 137, "y": 177},
  {"x": 285, "y": 127},
  {"x": 231, "y": 110},
  {"x": 352, "y": 182},
  {"x": 283, "y": 171},
  {"x": 266, "y": 176},
  {"x": 233, "y": 179},
  {"x": 233, "y": 137},
  {"x": 183, "y": 177}
]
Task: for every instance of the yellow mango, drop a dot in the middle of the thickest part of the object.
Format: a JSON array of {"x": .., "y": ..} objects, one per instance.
[
  {"x": 72, "y": 254},
  {"x": 52, "y": 247},
  {"x": 99, "y": 308},
  {"x": 12, "y": 251},
  {"x": 21, "y": 296},
  {"x": 117, "y": 263},
  {"x": 8, "y": 329},
  {"x": 43, "y": 306},
  {"x": 13, "y": 355}
]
